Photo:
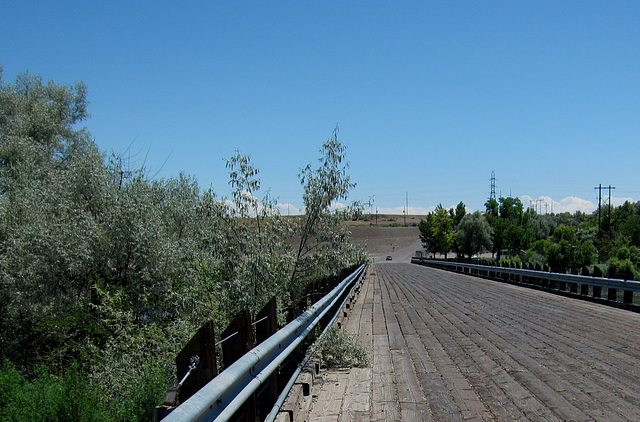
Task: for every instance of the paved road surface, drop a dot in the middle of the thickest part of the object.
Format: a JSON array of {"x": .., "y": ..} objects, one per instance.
[
  {"x": 401, "y": 255},
  {"x": 451, "y": 347}
]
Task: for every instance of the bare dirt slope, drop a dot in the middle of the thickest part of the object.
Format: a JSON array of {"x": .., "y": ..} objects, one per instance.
[{"x": 398, "y": 242}]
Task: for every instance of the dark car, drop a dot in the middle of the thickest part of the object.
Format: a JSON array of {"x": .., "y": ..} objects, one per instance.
[{"x": 389, "y": 258}]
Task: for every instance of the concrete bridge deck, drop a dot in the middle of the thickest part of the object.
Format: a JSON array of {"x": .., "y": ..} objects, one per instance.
[{"x": 452, "y": 347}]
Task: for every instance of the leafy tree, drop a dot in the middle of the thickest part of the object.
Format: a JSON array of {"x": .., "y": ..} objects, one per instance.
[
  {"x": 461, "y": 211},
  {"x": 442, "y": 231},
  {"x": 508, "y": 221},
  {"x": 492, "y": 208},
  {"x": 261, "y": 256},
  {"x": 319, "y": 231},
  {"x": 103, "y": 265},
  {"x": 457, "y": 215},
  {"x": 426, "y": 233},
  {"x": 473, "y": 234},
  {"x": 51, "y": 189}
]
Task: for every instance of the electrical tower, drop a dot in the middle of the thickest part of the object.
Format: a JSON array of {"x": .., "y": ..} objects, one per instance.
[
  {"x": 492, "y": 194},
  {"x": 599, "y": 187}
]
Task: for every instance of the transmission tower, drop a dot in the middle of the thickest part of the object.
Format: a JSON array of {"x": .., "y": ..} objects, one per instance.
[
  {"x": 492, "y": 195},
  {"x": 599, "y": 187}
]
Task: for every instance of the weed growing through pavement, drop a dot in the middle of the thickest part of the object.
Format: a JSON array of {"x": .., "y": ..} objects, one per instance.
[{"x": 342, "y": 350}]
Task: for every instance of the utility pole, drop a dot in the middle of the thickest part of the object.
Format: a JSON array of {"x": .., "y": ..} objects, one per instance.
[
  {"x": 492, "y": 193},
  {"x": 599, "y": 187},
  {"x": 610, "y": 187},
  {"x": 538, "y": 203},
  {"x": 406, "y": 206}
]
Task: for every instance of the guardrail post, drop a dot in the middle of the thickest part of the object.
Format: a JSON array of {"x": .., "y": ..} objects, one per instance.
[
  {"x": 267, "y": 326},
  {"x": 584, "y": 289},
  {"x": 240, "y": 340},
  {"x": 627, "y": 297},
  {"x": 597, "y": 291},
  {"x": 202, "y": 345},
  {"x": 612, "y": 294}
]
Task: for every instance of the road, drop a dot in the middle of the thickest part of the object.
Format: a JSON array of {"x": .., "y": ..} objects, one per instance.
[
  {"x": 403, "y": 254},
  {"x": 452, "y": 347}
]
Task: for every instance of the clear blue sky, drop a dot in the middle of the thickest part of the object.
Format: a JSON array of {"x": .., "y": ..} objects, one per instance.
[{"x": 430, "y": 97}]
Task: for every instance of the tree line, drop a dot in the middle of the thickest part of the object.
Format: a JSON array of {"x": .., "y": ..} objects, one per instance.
[
  {"x": 607, "y": 239},
  {"x": 106, "y": 272}
]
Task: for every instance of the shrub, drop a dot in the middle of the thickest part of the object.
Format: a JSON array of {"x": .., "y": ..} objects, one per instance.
[
  {"x": 341, "y": 350},
  {"x": 48, "y": 397}
]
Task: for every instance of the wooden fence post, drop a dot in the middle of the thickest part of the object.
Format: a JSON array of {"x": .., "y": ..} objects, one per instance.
[
  {"x": 265, "y": 328},
  {"x": 202, "y": 345},
  {"x": 239, "y": 335}
]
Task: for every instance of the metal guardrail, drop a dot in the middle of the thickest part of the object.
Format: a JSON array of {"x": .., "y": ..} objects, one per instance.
[
  {"x": 225, "y": 394},
  {"x": 629, "y": 285}
]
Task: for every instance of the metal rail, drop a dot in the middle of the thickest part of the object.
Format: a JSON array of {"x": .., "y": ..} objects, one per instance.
[
  {"x": 287, "y": 388},
  {"x": 567, "y": 278},
  {"x": 225, "y": 394}
]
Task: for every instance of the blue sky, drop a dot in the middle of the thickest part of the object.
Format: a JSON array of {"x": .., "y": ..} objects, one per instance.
[{"x": 430, "y": 97}]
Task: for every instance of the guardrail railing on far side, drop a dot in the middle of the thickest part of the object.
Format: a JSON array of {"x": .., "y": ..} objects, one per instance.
[{"x": 625, "y": 293}]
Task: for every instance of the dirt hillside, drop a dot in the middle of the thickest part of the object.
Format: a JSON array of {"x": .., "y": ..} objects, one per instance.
[{"x": 398, "y": 242}]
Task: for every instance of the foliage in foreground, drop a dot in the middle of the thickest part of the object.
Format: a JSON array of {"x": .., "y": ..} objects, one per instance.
[
  {"x": 108, "y": 268},
  {"x": 71, "y": 397}
]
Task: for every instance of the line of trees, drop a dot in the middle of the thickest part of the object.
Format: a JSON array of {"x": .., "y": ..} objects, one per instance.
[
  {"x": 608, "y": 238},
  {"x": 106, "y": 272}
]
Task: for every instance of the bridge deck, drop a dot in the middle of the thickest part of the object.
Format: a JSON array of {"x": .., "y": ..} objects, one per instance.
[{"x": 451, "y": 347}]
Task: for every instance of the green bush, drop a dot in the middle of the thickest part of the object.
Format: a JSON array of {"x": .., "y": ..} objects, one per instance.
[
  {"x": 47, "y": 397},
  {"x": 71, "y": 397},
  {"x": 620, "y": 267},
  {"x": 341, "y": 350}
]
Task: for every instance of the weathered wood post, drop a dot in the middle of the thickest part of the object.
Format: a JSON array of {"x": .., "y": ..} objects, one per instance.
[
  {"x": 238, "y": 341},
  {"x": 597, "y": 290},
  {"x": 202, "y": 345},
  {"x": 266, "y": 325},
  {"x": 584, "y": 289},
  {"x": 201, "y": 352}
]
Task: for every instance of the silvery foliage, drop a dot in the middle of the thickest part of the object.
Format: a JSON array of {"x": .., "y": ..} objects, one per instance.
[
  {"x": 473, "y": 234},
  {"x": 323, "y": 247},
  {"x": 51, "y": 179},
  {"x": 100, "y": 261},
  {"x": 260, "y": 256}
]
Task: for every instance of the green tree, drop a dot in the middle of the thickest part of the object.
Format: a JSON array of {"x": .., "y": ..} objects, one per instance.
[
  {"x": 473, "y": 234},
  {"x": 509, "y": 223},
  {"x": 426, "y": 233},
  {"x": 103, "y": 265},
  {"x": 460, "y": 212},
  {"x": 442, "y": 231},
  {"x": 51, "y": 190},
  {"x": 322, "y": 241}
]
